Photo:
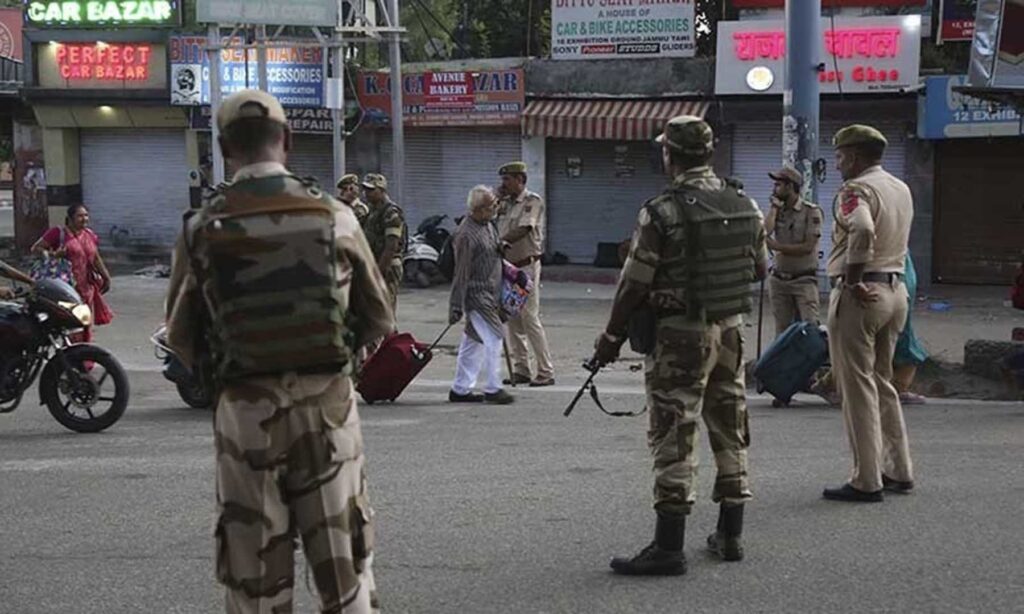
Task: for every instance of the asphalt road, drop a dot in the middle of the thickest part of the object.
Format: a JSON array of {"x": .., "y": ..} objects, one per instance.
[{"x": 517, "y": 509}]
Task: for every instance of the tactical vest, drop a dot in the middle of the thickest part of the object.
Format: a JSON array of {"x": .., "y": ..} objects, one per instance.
[
  {"x": 263, "y": 250},
  {"x": 708, "y": 258}
]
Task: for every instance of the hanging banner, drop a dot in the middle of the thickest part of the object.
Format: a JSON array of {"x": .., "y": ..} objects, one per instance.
[
  {"x": 295, "y": 75},
  {"x": 269, "y": 12},
  {"x": 957, "y": 20},
  {"x": 867, "y": 55},
  {"x": 451, "y": 98},
  {"x": 628, "y": 29}
]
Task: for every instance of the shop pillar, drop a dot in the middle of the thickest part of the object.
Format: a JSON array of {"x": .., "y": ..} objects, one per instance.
[{"x": 63, "y": 171}]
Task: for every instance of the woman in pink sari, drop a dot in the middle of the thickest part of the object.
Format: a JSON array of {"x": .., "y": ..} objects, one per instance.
[{"x": 80, "y": 245}]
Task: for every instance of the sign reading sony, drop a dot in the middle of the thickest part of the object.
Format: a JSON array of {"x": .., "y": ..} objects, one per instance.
[{"x": 84, "y": 13}]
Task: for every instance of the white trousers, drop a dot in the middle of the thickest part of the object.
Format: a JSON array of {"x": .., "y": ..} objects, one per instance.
[{"x": 474, "y": 356}]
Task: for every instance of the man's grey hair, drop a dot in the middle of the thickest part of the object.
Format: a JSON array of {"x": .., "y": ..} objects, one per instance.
[{"x": 477, "y": 196}]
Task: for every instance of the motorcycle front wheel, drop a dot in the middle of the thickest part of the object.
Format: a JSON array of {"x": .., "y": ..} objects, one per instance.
[
  {"x": 88, "y": 395},
  {"x": 194, "y": 394}
]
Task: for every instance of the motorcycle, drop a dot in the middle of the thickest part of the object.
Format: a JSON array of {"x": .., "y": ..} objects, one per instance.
[
  {"x": 74, "y": 378},
  {"x": 196, "y": 390},
  {"x": 421, "y": 256}
]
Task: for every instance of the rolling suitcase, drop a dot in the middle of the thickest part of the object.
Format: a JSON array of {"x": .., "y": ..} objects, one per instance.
[
  {"x": 789, "y": 362},
  {"x": 394, "y": 365}
]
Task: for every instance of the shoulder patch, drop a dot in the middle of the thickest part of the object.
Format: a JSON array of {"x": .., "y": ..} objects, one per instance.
[{"x": 850, "y": 201}]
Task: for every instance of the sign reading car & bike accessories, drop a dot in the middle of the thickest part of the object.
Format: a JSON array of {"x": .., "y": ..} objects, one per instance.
[
  {"x": 102, "y": 13},
  {"x": 605, "y": 29}
]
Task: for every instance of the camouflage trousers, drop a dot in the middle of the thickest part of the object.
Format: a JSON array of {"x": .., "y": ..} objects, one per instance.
[
  {"x": 393, "y": 278},
  {"x": 696, "y": 370},
  {"x": 289, "y": 467}
]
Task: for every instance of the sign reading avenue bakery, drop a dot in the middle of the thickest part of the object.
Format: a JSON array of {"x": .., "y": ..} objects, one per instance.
[{"x": 84, "y": 13}]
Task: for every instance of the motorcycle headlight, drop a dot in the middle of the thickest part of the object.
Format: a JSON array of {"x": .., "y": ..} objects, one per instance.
[{"x": 82, "y": 313}]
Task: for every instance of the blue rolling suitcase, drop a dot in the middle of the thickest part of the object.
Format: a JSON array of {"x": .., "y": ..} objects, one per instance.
[{"x": 787, "y": 365}]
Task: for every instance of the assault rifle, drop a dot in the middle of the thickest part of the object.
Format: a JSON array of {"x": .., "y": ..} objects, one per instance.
[{"x": 594, "y": 368}]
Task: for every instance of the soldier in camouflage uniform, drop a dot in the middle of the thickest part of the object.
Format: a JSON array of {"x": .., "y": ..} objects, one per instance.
[
  {"x": 348, "y": 193},
  {"x": 274, "y": 284},
  {"x": 695, "y": 251},
  {"x": 386, "y": 231}
]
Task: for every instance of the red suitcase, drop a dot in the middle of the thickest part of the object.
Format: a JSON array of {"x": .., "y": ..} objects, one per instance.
[{"x": 394, "y": 365}]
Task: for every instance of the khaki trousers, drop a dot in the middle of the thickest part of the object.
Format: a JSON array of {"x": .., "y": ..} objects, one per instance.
[
  {"x": 525, "y": 329},
  {"x": 862, "y": 338},
  {"x": 792, "y": 300}
]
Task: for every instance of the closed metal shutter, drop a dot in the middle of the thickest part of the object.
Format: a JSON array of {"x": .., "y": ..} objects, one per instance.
[
  {"x": 757, "y": 150},
  {"x": 601, "y": 204},
  {"x": 135, "y": 183},
  {"x": 443, "y": 164},
  {"x": 312, "y": 156}
]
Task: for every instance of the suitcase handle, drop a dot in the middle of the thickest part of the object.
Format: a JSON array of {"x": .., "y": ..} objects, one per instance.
[{"x": 439, "y": 338}]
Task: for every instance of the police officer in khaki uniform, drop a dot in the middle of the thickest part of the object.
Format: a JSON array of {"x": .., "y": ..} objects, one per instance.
[
  {"x": 694, "y": 370},
  {"x": 867, "y": 310},
  {"x": 794, "y": 229},
  {"x": 348, "y": 193},
  {"x": 521, "y": 224}
]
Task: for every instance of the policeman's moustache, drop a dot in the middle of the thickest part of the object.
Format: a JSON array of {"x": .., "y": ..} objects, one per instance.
[{"x": 593, "y": 367}]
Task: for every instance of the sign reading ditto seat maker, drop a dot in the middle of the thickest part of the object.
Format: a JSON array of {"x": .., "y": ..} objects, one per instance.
[
  {"x": 869, "y": 55},
  {"x": 602, "y": 29}
]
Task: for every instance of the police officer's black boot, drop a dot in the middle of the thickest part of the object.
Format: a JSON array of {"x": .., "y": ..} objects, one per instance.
[
  {"x": 725, "y": 541},
  {"x": 664, "y": 556}
]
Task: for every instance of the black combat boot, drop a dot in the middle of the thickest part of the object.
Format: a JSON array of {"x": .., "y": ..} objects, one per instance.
[
  {"x": 664, "y": 556},
  {"x": 725, "y": 541}
]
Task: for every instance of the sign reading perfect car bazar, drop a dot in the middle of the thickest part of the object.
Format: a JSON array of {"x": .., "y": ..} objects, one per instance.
[
  {"x": 867, "y": 55},
  {"x": 601, "y": 29},
  {"x": 85, "y": 13},
  {"x": 295, "y": 75},
  {"x": 269, "y": 12}
]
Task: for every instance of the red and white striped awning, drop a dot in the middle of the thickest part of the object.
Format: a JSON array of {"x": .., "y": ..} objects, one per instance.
[{"x": 620, "y": 120}]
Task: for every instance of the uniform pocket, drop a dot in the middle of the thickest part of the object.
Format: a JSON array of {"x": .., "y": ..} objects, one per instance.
[
  {"x": 361, "y": 526},
  {"x": 681, "y": 351}
]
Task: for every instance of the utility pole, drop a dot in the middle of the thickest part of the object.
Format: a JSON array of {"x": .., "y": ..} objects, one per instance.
[
  {"x": 338, "y": 115},
  {"x": 213, "y": 51},
  {"x": 801, "y": 100},
  {"x": 397, "y": 129}
]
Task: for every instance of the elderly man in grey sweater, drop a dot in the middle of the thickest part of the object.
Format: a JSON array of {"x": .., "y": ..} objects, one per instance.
[{"x": 476, "y": 293}]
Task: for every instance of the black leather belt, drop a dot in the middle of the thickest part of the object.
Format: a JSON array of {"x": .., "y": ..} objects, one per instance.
[
  {"x": 882, "y": 278},
  {"x": 790, "y": 277}
]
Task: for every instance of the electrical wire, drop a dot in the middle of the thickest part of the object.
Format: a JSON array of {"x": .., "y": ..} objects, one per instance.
[
  {"x": 443, "y": 27},
  {"x": 426, "y": 31}
]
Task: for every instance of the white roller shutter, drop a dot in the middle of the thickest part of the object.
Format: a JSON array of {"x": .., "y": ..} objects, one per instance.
[
  {"x": 136, "y": 180},
  {"x": 312, "y": 156},
  {"x": 443, "y": 164},
  {"x": 601, "y": 204},
  {"x": 757, "y": 150}
]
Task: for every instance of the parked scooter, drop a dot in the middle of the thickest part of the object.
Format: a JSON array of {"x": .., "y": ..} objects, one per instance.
[
  {"x": 196, "y": 390},
  {"x": 82, "y": 385},
  {"x": 421, "y": 256}
]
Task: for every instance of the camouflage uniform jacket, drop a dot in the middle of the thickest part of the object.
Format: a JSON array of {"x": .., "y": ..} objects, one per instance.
[
  {"x": 367, "y": 301},
  {"x": 649, "y": 249},
  {"x": 387, "y": 220}
]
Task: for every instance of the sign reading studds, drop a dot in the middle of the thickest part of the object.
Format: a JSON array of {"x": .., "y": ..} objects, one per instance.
[{"x": 623, "y": 29}]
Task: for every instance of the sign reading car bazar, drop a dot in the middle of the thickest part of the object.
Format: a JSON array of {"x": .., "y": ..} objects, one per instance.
[
  {"x": 602, "y": 29},
  {"x": 269, "y": 12},
  {"x": 84, "y": 13}
]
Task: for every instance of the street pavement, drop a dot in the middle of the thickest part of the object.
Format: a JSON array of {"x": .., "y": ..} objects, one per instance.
[{"x": 515, "y": 509}]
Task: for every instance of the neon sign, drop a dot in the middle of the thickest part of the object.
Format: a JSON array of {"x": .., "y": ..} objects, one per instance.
[
  {"x": 79, "y": 13},
  {"x": 104, "y": 62},
  {"x": 848, "y": 43}
]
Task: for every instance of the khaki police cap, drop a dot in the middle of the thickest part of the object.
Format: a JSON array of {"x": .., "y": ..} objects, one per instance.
[
  {"x": 687, "y": 134},
  {"x": 374, "y": 181},
  {"x": 790, "y": 174},
  {"x": 513, "y": 168},
  {"x": 349, "y": 179},
  {"x": 858, "y": 134},
  {"x": 249, "y": 103}
]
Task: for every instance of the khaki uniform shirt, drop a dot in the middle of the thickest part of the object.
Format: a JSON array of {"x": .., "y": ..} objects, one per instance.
[
  {"x": 360, "y": 208},
  {"x": 355, "y": 265},
  {"x": 527, "y": 209},
  {"x": 872, "y": 213},
  {"x": 795, "y": 226}
]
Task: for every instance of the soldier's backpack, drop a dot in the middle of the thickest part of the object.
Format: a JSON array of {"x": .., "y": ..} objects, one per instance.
[{"x": 263, "y": 250}]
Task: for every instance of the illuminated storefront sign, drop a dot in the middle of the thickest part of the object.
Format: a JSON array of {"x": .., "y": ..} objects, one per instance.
[
  {"x": 868, "y": 55},
  {"x": 84, "y": 13},
  {"x": 104, "y": 62}
]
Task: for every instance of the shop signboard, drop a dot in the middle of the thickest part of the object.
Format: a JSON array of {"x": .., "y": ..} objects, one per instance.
[
  {"x": 101, "y": 13},
  {"x": 997, "y": 54},
  {"x": 450, "y": 98},
  {"x": 301, "y": 121},
  {"x": 957, "y": 20},
  {"x": 295, "y": 75},
  {"x": 868, "y": 55},
  {"x": 946, "y": 114},
  {"x": 269, "y": 12},
  {"x": 775, "y": 9},
  {"x": 10, "y": 34},
  {"x": 102, "y": 65},
  {"x": 624, "y": 29}
]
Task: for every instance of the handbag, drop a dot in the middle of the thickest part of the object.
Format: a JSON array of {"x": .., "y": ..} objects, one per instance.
[
  {"x": 49, "y": 267},
  {"x": 516, "y": 287}
]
